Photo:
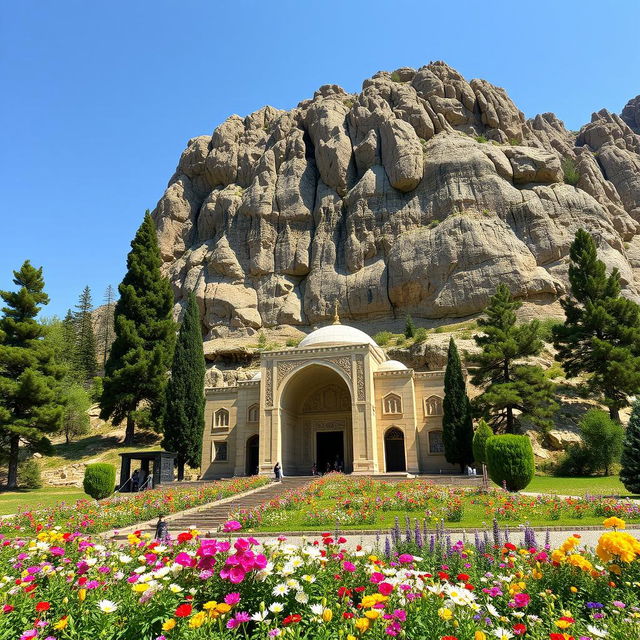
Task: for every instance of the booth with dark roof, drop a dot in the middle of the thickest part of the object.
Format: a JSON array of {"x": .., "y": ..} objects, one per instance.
[{"x": 156, "y": 467}]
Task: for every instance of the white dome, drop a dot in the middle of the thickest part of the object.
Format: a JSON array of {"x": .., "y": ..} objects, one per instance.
[
  {"x": 334, "y": 334},
  {"x": 391, "y": 365},
  {"x": 257, "y": 376}
]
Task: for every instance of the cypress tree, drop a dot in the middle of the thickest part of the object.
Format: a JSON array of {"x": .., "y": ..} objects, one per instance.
[
  {"x": 409, "y": 328},
  {"x": 457, "y": 424},
  {"x": 85, "y": 351},
  {"x": 184, "y": 406},
  {"x": 141, "y": 354},
  {"x": 601, "y": 333},
  {"x": 630, "y": 460},
  {"x": 482, "y": 434},
  {"x": 28, "y": 373},
  {"x": 510, "y": 386}
]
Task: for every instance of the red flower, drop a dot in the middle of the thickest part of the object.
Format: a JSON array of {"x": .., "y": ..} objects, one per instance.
[
  {"x": 8, "y": 608},
  {"x": 463, "y": 577},
  {"x": 360, "y": 589},
  {"x": 183, "y": 611},
  {"x": 385, "y": 588},
  {"x": 469, "y": 587},
  {"x": 448, "y": 638},
  {"x": 184, "y": 537},
  {"x": 511, "y": 547},
  {"x": 442, "y": 575},
  {"x": 519, "y": 629},
  {"x": 343, "y": 592},
  {"x": 43, "y": 606},
  {"x": 292, "y": 619},
  {"x": 341, "y": 540},
  {"x": 29, "y": 588},
  {"x": 347, "y": 615},
  {"x": 560, "y": 636}
]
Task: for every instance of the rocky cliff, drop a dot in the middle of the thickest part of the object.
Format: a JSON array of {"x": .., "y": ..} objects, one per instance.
[{"x": 417, "y": 195}]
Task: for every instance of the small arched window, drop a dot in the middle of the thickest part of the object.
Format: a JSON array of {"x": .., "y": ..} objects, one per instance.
[
  {"x": 252, "y": 413},
  {"x": 436, "y": 443},
  {"x": 392, "y": 404},
  {"x": 221, "y": 418},
  {"x": 433, "y": 406}
]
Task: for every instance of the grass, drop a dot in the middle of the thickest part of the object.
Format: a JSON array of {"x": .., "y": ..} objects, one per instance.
[
  {"x": 14, "y": 501},
  {"x": 595, "y": 486}
]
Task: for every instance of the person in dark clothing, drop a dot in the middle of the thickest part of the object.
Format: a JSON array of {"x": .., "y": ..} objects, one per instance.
[
  {"x": 277, "y": 471},
  {"x": 135, "y": 480}
]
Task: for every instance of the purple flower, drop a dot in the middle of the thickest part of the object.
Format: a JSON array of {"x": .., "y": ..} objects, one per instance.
[{"x": 595, "y": 605}]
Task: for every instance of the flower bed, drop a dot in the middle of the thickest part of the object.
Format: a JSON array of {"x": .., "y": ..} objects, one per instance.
[
  {"x": 90, "y": 516},
  {"x": 68, "y": 586},
  {"x": 351, "y": 502}
]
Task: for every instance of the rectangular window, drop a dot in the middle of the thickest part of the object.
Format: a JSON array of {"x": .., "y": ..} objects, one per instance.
[
  {"x": 436, "y": 443},
  {"x": 218, "y": 452}
]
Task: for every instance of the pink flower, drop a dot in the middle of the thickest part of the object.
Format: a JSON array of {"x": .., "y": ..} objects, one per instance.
[
  {"x": 27, "y": 635},
  {"x": 348, "y": 566},
  {"x": 385, "y": 588},
  {"x": 522, "y": 599},
  {"x": 405, "y": 558},
  {"x": 185, "y": 559},
  {"x": 376, "y": 577},
  {"x": 56, "y": 551},
  {"x": 231, "y": 525},
  {"x": 232, "y": 598}
]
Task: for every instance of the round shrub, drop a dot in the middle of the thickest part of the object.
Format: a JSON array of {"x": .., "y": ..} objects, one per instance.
[
  {"x": 510, "y": 461},
  {"x": 482, "y": 434},
  {"x": 99, "y": 480}
]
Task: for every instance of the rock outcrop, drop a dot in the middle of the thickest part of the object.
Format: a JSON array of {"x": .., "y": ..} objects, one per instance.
[{"x": 420, "y": 194}]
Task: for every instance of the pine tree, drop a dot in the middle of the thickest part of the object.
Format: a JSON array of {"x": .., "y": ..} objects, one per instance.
[
  {"x": 68, "y": 343},
  {"x": 601, "y": 333},
  {"x": 85, "y": 351},
  {"x": 142, "y": 351},
  {"x": 29, "y": 409},
  {"x": 106, "y": 324},
  {"x": 184, "y": 406},
  {"x": 457, "y": 424},
  {"x": 630, "y": 460},
  {"x": 510, "y": 385},
  {"x": 409, "y": 328}
]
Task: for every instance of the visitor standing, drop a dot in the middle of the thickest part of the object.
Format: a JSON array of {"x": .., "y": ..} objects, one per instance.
[
  {"x": 277, "y": 471},
  {"x": 135, "y": 480}
]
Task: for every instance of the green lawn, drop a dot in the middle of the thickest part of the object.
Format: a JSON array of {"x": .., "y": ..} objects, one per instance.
[
  {"x": 14, "y": 501},
  {"x": 608, "y": 486}
]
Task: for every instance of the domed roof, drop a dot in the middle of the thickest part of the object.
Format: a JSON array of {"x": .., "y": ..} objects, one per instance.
[
  {"x": 335, "y": 334},
  {"x": 391, "y": 365}
]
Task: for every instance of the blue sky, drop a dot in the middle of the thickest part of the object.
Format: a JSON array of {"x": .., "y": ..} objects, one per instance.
[{"x": 100, "y": 98}]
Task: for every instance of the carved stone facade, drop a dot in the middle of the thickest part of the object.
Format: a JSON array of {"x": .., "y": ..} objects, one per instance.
[{"x": 323, "y": 404}]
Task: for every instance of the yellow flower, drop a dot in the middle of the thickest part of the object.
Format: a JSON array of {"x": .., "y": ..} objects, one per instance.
[
  {"x": 362, "y": 624},
  {"x": 576, "y": 560},
  {"x": 140, "y": 587},
  {"x": 82, "y": 594},
  {"x": 479, "y": 635},
  {"x": 573, "y": 589},
  {"x": 372, "y": 614},
  {"x": 614, "y": 523},
  {"x": 197, "y": 620},
  {"x": 133, "y": 539},
  {"x": 327, "y": 615},
  {"x": 536, "y": 574},
  {"x": 212, "y": 604},
  {"x": 445, "y": 614},
  {"x": 373, "y": 558},
  {"x": 350, "y": 637},
  {"x": 223, "y": 607},
  {"x": 62, "y": 623},
  {"x": 563, "y": 624},
  {"x": 169, "y": 624},
  {"x": 616, "y": 545},
  {"x": 615, "y": 568}
]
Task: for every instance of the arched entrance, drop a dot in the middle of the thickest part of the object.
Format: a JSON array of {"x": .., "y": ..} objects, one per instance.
[
  {"x": 394, "y": 450},
  {"x": 252, "y": 459},
  {"x": 315, "y": 422}
]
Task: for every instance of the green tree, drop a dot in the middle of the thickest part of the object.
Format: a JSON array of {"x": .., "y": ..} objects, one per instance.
[
  {"x": 630, "y": 460},
  {"x": 141, "y": 354},
  {"x": 602, "y": 439},
  {"x": 184, "y": 406},
  {"x": 106, "y": 324},
  {"x": 510, "y": 383},
  {"x": 457, "y": 424},
  {"x": 75, "y": 419},
  {"x": 601, "y": 333},
  {"x": 482, "y": 434},
  {"x": 409, "y": 328},
  {"x": 29, "y": 409},
  {"x": 85, "y": 351}
]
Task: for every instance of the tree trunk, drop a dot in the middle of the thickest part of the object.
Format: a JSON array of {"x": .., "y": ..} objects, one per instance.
[
  {"x": 128, "y": 434},
  {"x": 14, "y": 450},
  {"x": 614, "y": 413},
  {"x": 180, "y": 469}
]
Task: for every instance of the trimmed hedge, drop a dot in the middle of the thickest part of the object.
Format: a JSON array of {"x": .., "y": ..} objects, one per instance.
[
  {"x": 480, "y": 437},
  {"x": 99, "y": 480},
  {"x": 510, "y": 461}
]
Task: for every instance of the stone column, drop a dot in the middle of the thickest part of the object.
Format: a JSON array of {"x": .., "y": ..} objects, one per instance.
[{"x": 365, "y": 454}]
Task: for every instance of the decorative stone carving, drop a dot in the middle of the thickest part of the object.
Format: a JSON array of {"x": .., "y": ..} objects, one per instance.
[
  {"x": 344, "y": 362},
  {"x": 268, "y": 394},
  {"x": 286, "y": 367},
  {"x": 360, "y": 378},
  {"x": 327, "y": 399},
  {"x": 433, "y": 406}
]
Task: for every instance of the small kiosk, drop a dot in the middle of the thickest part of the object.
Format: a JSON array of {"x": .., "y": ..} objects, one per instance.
[{"x": 156, "y": 467}]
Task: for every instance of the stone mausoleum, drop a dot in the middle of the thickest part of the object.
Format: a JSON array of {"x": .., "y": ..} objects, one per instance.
[{"x": 334, "y": 399}]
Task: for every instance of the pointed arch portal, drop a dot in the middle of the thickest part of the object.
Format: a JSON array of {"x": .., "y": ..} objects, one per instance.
[{"x": 394, "y": 454}]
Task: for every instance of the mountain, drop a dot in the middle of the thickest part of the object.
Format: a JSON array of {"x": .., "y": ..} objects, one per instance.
[{"x": 418, "y": 195}]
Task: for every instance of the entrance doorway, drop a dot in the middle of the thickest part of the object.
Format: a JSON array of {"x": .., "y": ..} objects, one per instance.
[
  {"x": 394, "y": 450},
  {"x": 252, "y": 459},
  {"x": 329, "y": 450}
]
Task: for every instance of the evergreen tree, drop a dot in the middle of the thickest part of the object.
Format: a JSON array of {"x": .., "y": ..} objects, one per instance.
[
  {"x": 482, "y": 434},
  {"x": 457, "y": 424},
  {"x": 601, "y": 334},
  {"x": 106, "y": 324},
  {"x": 630, "y": 460},
  {"x": 184, "y": 406},
  {"x": 409, "y": 328},
  {"x": 142, "y": 351},
  {"x": 29, "y": 409},
  {"x": 85, "y": 351},
  {"x": 510, "y": 384}
]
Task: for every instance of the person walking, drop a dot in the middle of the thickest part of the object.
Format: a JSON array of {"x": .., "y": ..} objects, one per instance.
[{"x": 277, "y": 471}]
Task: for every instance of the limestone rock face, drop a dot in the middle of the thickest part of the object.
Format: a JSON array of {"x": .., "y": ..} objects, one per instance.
[{"x": 420, "y": 194}]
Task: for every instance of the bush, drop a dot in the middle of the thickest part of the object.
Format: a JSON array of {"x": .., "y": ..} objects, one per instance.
[
  {"x": 602, "y": 439},
  {"x": 630, "y": 470},
  {"x": 571, "y": 173},
  {"x": 409, "y": 328},
  {"x": 382, "y": 338},
  {"x": 510, "y": 461},
  {"x": 481, "y": 139},
  {"x": 99, "y": 480},
  {"x": 420, "y": 335},
  {"x": 293, "y": 342},
  {"x": 575, "y": 462},
  {"x": 29, "y": 474},
  {"x": 480, "y": 437},
  {"x": 546, "y": 328}
]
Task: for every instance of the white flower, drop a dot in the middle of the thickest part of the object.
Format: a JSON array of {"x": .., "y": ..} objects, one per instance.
[
  {"x": 175, "y": 588},
  {"x": 307, "y": 578},
  {"x": 276, "y": 607},
  {"x": 296, "y": 562},
  {"x": 161, "y": 572},
  {"x": 140, "y": 569},
  {"x": 493, "y": 611},
  {"x": 317, "y": 609},
  {"x": 302, "y": 597},
  {"x": 107, "y": 606},
  {"x": 502, "y": 633},
  {"x": 124, "y": 558},
  {"x": 91, "y": 561},
  {"x": 260, "y": 616},
  {"x": 292, "y": 583},
  {"x": 280, "y": 589},
  {"x": 598, "y": 633}
]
